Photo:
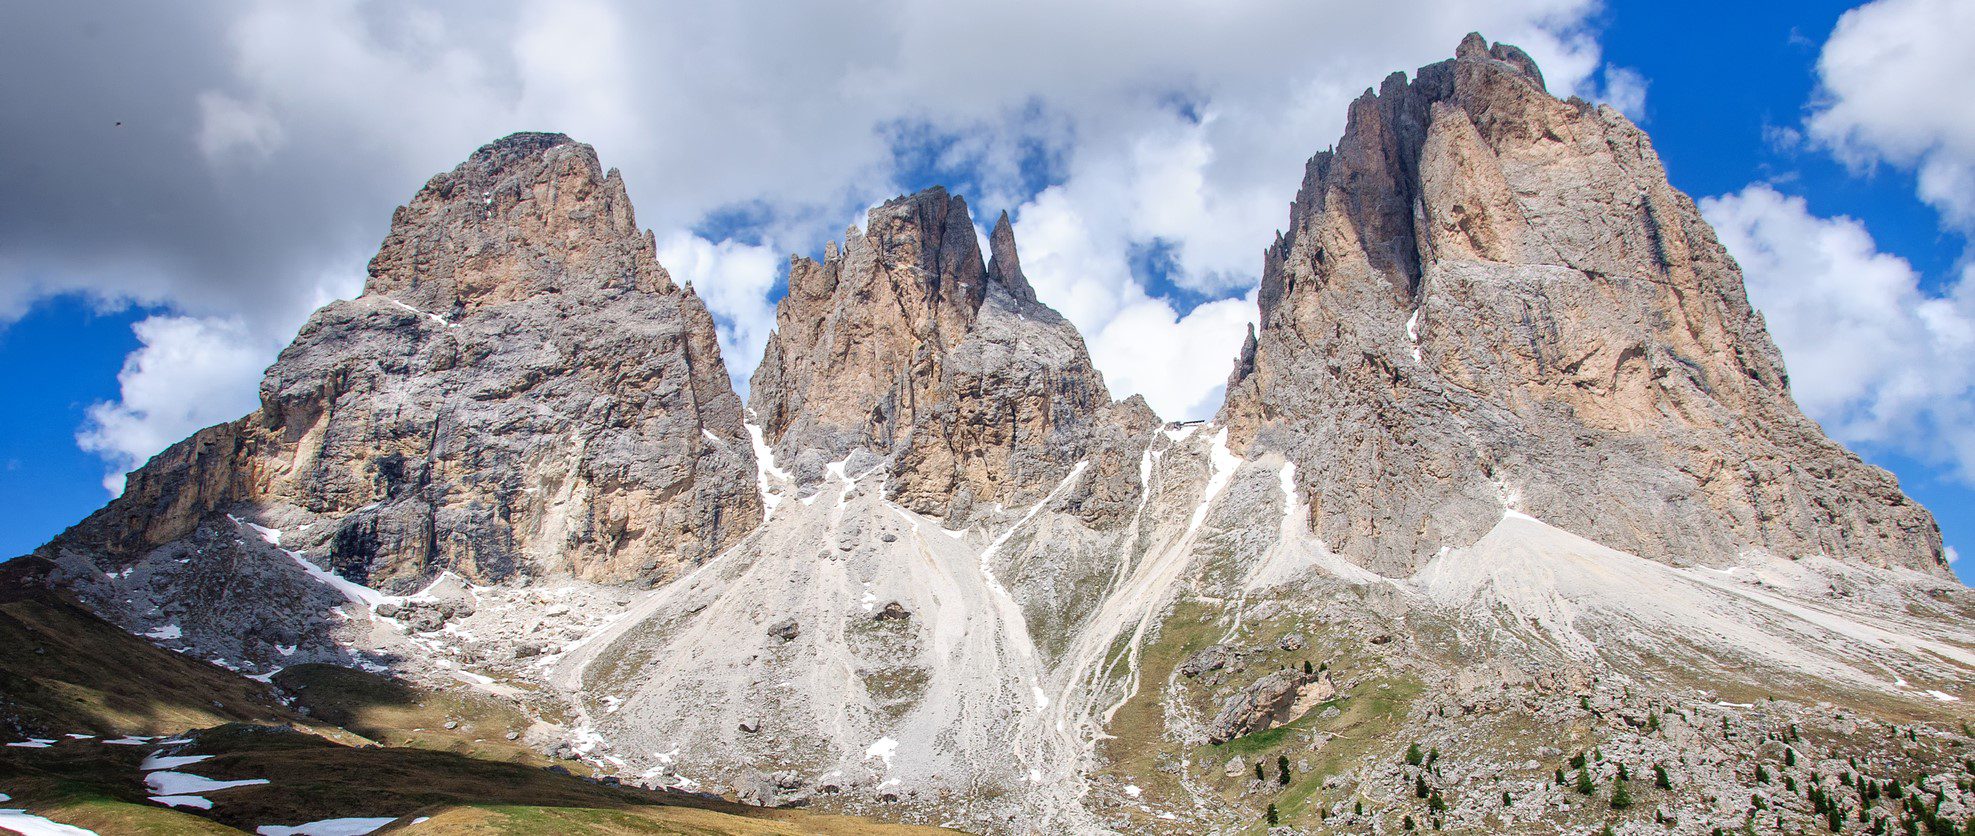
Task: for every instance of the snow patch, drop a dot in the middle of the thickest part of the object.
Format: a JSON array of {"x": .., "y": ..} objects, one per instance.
[
  {"x": 185, "y": 783},
  {"x": 883, "y": 750},
  {"x": 167, "y": 632},
  {"x": 29, "y": 824},
  {"x": 326, "y": 827},
  {"x": 194, "y": 801},
  {"x": 157, "y": 761}
]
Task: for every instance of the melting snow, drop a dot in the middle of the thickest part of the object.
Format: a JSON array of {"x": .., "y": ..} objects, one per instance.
[
  {"x": 133, "y": 740},
  {"x": 1042, "y": 699},
  {"x": 435, "y": 318},
  {"x": 883, "y": 750},
  {"x": 29, "y": 824},
  {"x": 169, "y": 631},
  {"x": 1413, "y": 333},
  {"x": 326, "y": 827},
  {"x": 195, "y": 801},
  {"x": 1224, "y": 462},
  {"x": 1132, "y": 790},
  {"x": 33, "y": 743},
  {"x": 185, "y": 783},
  {"x": 357, "y": 593},
  {"x": 1943, "y": 697},
  {"x": 764, "y": 467},
  {"x": 157, "y": 761}
]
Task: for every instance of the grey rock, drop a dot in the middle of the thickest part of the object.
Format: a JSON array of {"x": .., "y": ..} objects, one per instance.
[
  {"x": 1210, "y": 658},
  {"x": 1489, "y": 298}
]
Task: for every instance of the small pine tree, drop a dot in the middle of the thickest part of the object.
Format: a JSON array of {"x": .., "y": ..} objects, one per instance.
[
  {"x": 1323, "y": 666},
  {"x": 1282, "y": 770},
  {"x": 1789, "y": 756},
  {"x": 1419, "y": 786},
  {"x": 1560, "y": 776},
  {"x": 1358, "y": 807},
  {"x": 1661, "y": 780},
  {"x": 1306, "y": 667},
  {"x": 1584, "y": 703},
  {"x": 1762, "y": 775},
  {"x": 1577, "y": 761},
  {"x": 1435, "y": 803},
  {"x": 1414, "y": 755},
  {"x": 1623, "y": 775},
  {"x": 1621, "y": 797},
  {"x": 1508, "y": 800},
  {"x": 1433, "y": 756},
  {"x": 1259, "y": 774},
  {"x": 1652, "y": 722},
  {"x": 1407, "y": 823},
  {"x": 1273, "y": 817},
  {"x": 1584, "y": 784}
]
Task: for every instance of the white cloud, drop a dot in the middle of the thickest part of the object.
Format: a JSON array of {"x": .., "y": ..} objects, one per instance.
[
  {"x": 1875, "y": 359},
  {"x": 1179, "y": 363},
  {"x": 188, "y": 374},
  {"x": 1154, "y": 124},
  {"x": 734, "y": 280},
  {"x": 228, "y": 125},
  {"x": 1624, "y": 89},
  {"x": 1896, "y": 77},
  {"x": 1953, "y": 556}
]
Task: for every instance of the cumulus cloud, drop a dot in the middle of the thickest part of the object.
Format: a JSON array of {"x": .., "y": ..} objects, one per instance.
[
  {"x": 1624, "y": 89},
  {"x": 188, "y": 373},
  {"x": 1878, "y": 361},
  {"x": 734, "y": 281},
  {"x": 267, "y": 153},
  {"x": 1895, "y": 78}
]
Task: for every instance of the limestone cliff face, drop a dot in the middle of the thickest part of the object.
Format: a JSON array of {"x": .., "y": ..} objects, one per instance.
[
  {"x": 520, "y": 390},
  {"x": 1489, "y": 298},
  {"x": 903, "y": 343}
]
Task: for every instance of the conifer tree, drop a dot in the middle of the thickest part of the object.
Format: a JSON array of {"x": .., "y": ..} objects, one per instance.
[
  {"x": 1584, "y": 785},
  {"x": 1621, "y": 797}
]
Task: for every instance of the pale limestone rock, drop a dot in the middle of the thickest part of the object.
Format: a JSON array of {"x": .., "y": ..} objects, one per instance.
[
  {"x": 1490, "y": 299},
  {"x": 520, "y": 390},
  {"x": 903, "y": 343}
]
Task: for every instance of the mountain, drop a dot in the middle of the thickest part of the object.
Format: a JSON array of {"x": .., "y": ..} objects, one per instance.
[
  {"x": 902, "y": 342},
  {"x": 1509, "y": 522},
  {"x": 521, "y": 391},
  {"x": 1489, "y": 298}
]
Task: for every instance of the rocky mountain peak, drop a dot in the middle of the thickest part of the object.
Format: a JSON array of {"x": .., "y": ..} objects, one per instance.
[
  {"x": 1489, "y": 299},
  {"x": 1004, "y": 267},
  {"x": 903, "y": 342},
  {"x": 519, "y": 392},
  {"x": 482, "y": 233}
]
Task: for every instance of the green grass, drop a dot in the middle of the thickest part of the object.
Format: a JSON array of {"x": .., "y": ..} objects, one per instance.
[
  {"x": 63, "y": 669},
  {"x": 397, "y": 713}
]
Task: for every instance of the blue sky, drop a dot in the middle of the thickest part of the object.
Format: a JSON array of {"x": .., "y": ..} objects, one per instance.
[{"x": 1065, "y": 146}]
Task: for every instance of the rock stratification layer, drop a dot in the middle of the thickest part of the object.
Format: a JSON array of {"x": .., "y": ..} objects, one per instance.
[
  {"x": 520, "y": 390},
  {"x": 903, "y": 343},
  {"x": 1491, "y": 299}
]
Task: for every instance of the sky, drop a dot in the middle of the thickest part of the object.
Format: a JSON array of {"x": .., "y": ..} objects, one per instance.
[{"x": 186, "y": 182}]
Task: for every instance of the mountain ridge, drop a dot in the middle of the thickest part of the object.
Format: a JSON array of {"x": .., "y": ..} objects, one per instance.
[{"x": 1508, "y": 471}]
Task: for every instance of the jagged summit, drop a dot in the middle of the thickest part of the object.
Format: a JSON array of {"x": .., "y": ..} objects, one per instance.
[
  {"x": 529, "y": 214},
  {"x": 1491, "y": 299},
  {"x": 903, "y": 342},
  {"x": 520, "y": 391}
]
